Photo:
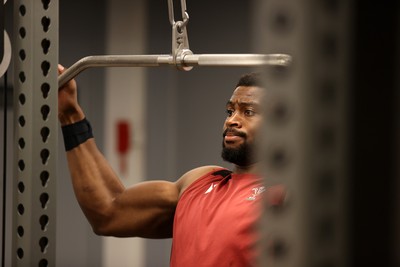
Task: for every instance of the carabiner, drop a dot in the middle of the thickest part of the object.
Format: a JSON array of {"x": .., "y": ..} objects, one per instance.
[
  {"x": 185, "y": 15},
  {"x": 180, "y": 40}
]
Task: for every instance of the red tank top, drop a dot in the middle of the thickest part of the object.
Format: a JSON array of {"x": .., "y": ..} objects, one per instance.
[{"x": 214, "y": 222}]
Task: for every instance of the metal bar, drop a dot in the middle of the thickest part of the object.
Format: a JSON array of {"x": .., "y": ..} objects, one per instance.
[
  {"x": 225, "y": 60},
  {"x": 171, "y": 12},
  {"x": 36, "y": 133},
  {"x": 112, "y": 61},
  {"x": 236, "y": 60}
]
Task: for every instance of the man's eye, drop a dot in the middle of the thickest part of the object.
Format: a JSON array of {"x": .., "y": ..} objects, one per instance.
[
  {"x": 229, "y": 112},
  {"x": 249, "y": 112}
]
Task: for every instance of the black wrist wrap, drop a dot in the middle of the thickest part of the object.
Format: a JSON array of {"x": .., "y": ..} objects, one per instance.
[{"x": 76, "y": 133}]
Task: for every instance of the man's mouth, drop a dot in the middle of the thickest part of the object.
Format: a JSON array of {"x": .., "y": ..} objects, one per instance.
[
  {"x": 232, "y": 138},
  {"x": 232, "y": 135}
]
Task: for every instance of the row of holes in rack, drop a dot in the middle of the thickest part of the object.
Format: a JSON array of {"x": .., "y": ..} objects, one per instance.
[{"x": 45, "y": 132}]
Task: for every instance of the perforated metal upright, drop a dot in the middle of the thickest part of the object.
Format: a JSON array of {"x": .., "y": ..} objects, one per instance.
[
  {"x": 36, "y": 125},
  {"x": 305, "y": 134}
]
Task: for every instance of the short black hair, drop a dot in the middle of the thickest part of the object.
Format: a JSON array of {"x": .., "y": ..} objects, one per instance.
[{"x": 250, "y": 79}]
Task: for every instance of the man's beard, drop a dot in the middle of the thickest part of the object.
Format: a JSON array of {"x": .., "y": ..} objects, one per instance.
[{"x": 242, "y": 155}]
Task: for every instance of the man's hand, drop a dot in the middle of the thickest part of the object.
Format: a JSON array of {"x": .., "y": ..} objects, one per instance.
[{"x": 69, "y": 110}]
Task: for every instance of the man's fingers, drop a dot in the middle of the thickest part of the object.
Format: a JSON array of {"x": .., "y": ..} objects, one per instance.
[{"x": 60, "y": 68}]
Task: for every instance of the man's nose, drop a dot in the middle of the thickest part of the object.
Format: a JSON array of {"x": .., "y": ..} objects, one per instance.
[{"x": 234, "y": 120}]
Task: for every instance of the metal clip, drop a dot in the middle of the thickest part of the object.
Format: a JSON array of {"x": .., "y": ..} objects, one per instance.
[
  {"x": 185, "y": 15},
  {"x": 180, "y": 41}
]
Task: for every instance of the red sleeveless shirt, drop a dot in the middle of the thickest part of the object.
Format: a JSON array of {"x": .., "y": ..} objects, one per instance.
[{"x": 214, "y": 222}]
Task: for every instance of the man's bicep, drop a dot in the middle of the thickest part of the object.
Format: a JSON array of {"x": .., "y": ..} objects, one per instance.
[{"x": 145, "y": 210}]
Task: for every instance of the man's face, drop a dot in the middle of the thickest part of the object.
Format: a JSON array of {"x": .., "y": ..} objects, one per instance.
[{"x": 240, "y": 127}]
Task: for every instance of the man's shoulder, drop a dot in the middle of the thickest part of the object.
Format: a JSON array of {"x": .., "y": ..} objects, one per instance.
[{"x": 193, "y": 175}]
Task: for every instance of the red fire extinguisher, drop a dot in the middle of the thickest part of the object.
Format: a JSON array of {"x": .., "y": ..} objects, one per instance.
[{"x": 123, "y": 143}]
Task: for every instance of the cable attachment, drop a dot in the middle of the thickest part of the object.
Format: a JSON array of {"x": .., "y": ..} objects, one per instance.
[{"x": 180, "y": 41}]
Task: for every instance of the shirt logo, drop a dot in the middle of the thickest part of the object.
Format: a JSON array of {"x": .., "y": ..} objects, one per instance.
[
  {"x": 256, "y": 192},
  {"x": 210, "y": 188}
]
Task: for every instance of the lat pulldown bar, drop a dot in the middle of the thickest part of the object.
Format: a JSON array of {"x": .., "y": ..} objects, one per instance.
[
  {"x": 186, "y": 63},
  {"x": 181, "y": 56}
]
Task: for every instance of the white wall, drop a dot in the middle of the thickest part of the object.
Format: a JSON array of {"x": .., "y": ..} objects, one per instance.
[{"x": 124, "y": 100}]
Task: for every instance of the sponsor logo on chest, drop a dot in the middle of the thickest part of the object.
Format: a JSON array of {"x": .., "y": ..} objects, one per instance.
[{"x": 254, "y": 192}]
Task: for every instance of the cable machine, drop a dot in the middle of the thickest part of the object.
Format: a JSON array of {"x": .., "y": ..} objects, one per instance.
[{"x": 181, "y": 56}]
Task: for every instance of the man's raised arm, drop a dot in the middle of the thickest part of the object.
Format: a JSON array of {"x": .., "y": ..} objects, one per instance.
[{"x": 146, "y": 209}]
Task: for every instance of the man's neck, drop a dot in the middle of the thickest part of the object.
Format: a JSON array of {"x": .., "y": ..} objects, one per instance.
[{"x": 253, "y": 168}]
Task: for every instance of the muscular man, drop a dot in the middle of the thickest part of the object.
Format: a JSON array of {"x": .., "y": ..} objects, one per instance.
[{"x": 209, "y": 212}]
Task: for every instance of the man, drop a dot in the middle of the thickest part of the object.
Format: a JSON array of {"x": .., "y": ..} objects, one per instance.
[{"x": 209, "y": 212}]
